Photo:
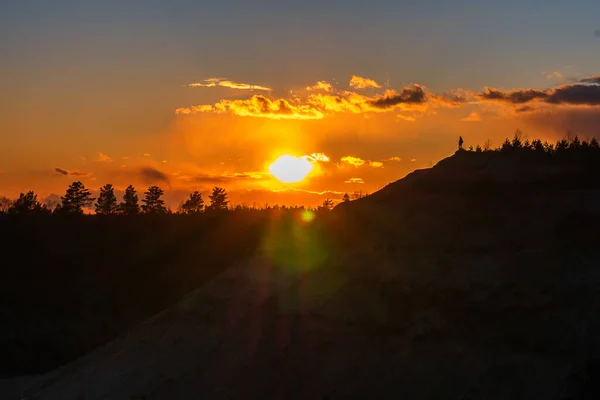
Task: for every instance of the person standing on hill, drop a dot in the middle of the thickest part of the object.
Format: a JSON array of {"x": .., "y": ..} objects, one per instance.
[{"x": 460, "y": 142}]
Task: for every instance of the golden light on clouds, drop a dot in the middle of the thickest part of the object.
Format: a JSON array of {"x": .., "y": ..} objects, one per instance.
[
  {"x": 321, "y": 85},
  {"x": 323, "y": 99},
  {"x": 213, "y": 82},
  {"x": 473, "y": 117},
  {"x": 358, "y": 82},
  {"x": 258, "y": 106},
  {"x": 357, "y": 162},
  {"x": 318, "y": 157},
  {"x": 355, "y": 180},
  {"x": 290, "y": 169}
]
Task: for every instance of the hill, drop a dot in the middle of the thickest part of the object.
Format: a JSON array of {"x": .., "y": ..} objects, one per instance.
[{"x": 476, "y": 278}]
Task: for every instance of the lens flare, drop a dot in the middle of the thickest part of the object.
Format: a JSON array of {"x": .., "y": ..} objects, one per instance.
[{"x": 308, "y": 215}]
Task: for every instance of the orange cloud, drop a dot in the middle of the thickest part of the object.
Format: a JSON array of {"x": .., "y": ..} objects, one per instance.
[
  {"x": 318, "y": 157},
  {"x": 213, "y": 82},
  {"x": 406, "y": 118},
  {"x": 473, "y": 117},
  {"x": 62, "y": 171},
  {"x": 321, "y": 85},
  {"x": 376, "y": 164},
  {"x": 357, "y": 162},
  {"x": 354, "y": 180},
  {"x": 101, "y": 157},
  {"x": 317, "y": 105},
  {"x": 553, "y": 75},
  {"x": 358, "y": 82},
  {"x": 258, "y": 106}
]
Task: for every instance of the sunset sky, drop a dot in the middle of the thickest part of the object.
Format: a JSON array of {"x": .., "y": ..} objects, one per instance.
[{"x": 190, "y": 94}]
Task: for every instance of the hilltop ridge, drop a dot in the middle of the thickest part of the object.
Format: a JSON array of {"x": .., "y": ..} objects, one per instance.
[{"x": 568, "y": 165}]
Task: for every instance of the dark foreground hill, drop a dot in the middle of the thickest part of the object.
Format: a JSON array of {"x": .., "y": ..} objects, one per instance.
[{"x": 477, "y": 278}]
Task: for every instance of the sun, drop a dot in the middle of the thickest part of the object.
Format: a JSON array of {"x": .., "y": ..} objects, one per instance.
[{"x": 290, "y": 169}]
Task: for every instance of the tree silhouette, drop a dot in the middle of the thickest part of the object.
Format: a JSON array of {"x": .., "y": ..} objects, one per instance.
[
  {"x": 487, "y": 146},
  {"x": 5, "y": 204},
  {"x": 75, "y": 199},
  {"x": 218, "y": 199},
  {"x": 107, "y": 201},
  {"x": 153, "y": 204},
  {"x": 328, "y": 204},
  {"x": 346, "y": 198},
  {"x": 194, "y": 204},
  {"x": 358, "y": 195},
  {"x": 575, "y": 143},
  {"x": 130, "y": 205},
  {"x": 561, "y": 145},
  {"x": 517, "y": 141},
  {"x": 593, "y": 143},
  {"x": 27, "y": 204},
  {"x": 537, "y": 145}
]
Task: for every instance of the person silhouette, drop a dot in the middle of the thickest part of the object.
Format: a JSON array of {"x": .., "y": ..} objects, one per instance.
[{"x": 460, "y": 142}]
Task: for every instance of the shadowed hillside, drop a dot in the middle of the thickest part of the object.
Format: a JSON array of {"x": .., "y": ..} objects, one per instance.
[{"x": 476, "y": 278}]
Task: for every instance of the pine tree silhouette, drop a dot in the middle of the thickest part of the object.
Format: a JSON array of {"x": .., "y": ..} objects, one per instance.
[
  {"x": 107, "y": 201},
  {"x": 194, "y": 204},
  {"x": 218, "y": 199},
  {"x": 76, "y": 199},
  {"x": 130, "y": 205},
  {"x": 153, "y": 204}
]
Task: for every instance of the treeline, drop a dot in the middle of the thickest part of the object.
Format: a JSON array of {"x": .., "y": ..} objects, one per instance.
[
  {"x": 569, "y": 144},
  {"x": 78, "y": 199}
]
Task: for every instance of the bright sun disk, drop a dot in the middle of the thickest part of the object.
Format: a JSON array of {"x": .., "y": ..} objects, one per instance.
[{"x": 290, "y": 169}]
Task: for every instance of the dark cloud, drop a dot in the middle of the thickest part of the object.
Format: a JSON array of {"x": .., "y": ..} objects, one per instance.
[
  {"x": 513, "y": 96},
  {"x": 151, "y": 175},
  {"x": 592, "y": 79},
  {"x": 62, "y": 171},
  {"x": 584, "y": 93},
  {"x": 409, "y": 95}
]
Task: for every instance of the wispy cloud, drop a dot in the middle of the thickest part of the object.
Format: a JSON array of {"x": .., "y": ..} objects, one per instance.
[
  {"x": 354, "y": 180},
  {"x": 358, "y": 82},
  {"x": 357, "y": 162},
  {"x": 473, "y": 117},
  {"x": 213, "y": 82},
  {"x": 223, "y": 178},
  {"x": 151, "y": 175},
  {"x": 321, "y": 85},
  {"x": 553, "y": 74},
  {"x": 376, "y": 164},
  {"x": 406, "y": 118},
  {"x": 101, "y": 157},
  {"x": 63, "y": 171}
]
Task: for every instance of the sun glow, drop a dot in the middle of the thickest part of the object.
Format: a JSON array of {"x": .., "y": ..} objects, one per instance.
[{"x": 290, "y": 169}]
